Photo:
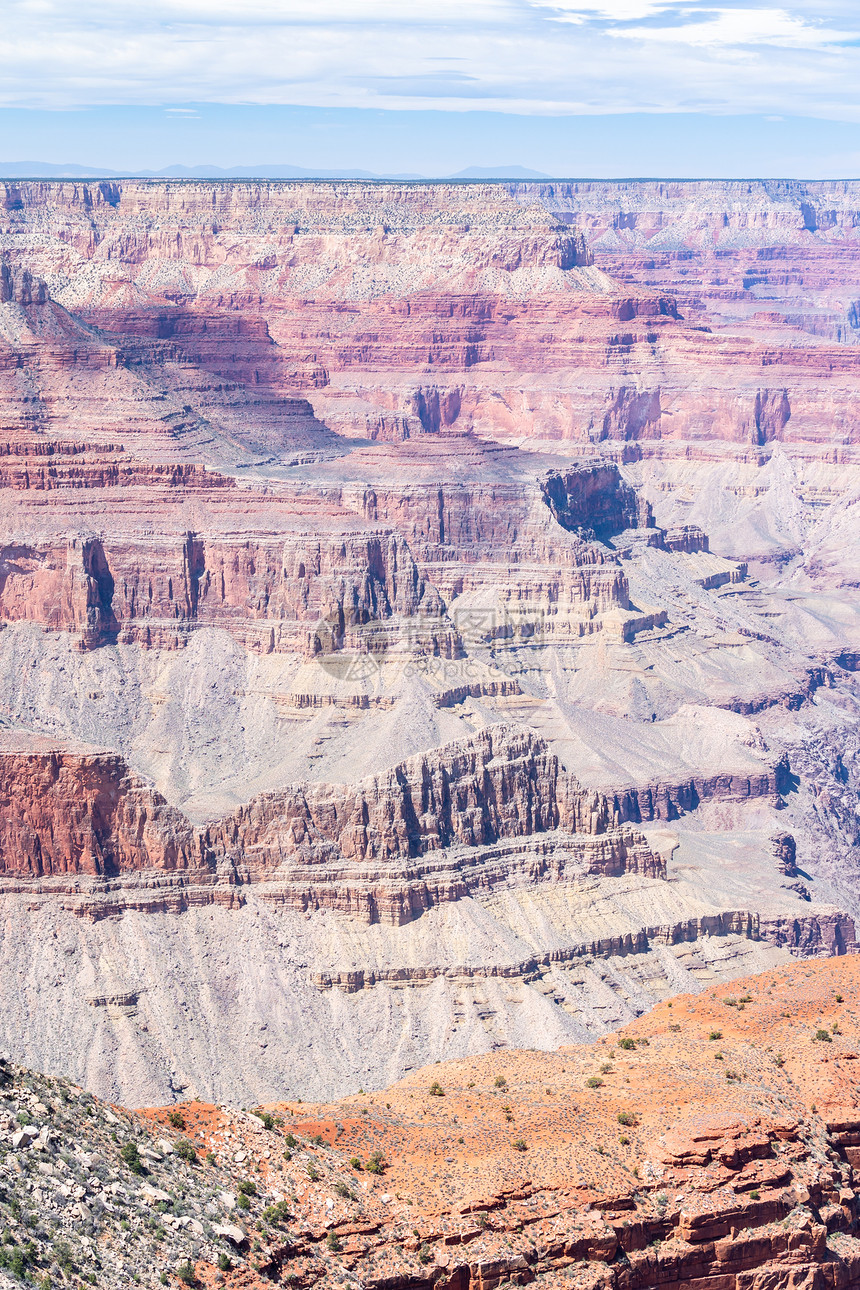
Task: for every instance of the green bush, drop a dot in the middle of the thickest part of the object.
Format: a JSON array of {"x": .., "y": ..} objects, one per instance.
[
  {"x": 625, "y": 1118},
  {"x": 177, "y": 1119},
  {"x": 130, "y": 1156},
  {"x": 247, "y": 1187},
  {"x": 375, "y": 1163},
  {"x": 425, "y": 1254},
  {"x": 593, "y": 1082},
  {"x": 519, "y": 1145},
  {"x": 224, "y": 1263},
  {"x": 501, "y": 1082},
  {"x": 277, "y": 1213},
  {"x": 356, "y": 1164},
  {"x": 823, "y": 1036},
  {"x": 185, "y": 1272},
  {"x": 242, "y": 1201},
  {"x": 267, "y": 1118},
  {"x": 627, "y": 1044},
  {"x": 185, "y": 1150},
  {"x": 333, "y": 1242},
  {"x": 436, "y": 1089},
  {"x": 715, "y": 1034},
  {"x": 344, "y": 1191}
]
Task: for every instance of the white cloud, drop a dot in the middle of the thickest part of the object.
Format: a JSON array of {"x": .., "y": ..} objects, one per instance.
[
  {"x": 740, "y": 27},
  {"x": 533, "y": 56}
]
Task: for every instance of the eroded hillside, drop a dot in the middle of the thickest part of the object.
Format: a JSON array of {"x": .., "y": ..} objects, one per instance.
[{"x": 428, "y": 617}]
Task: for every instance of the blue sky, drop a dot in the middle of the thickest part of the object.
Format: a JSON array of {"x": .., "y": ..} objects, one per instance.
[{"x": 593, "y": 87}]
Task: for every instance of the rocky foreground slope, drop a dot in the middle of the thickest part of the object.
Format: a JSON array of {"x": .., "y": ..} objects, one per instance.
[
  {"x": 714, "y": 1143},
  {"x": 429, "y": 619}
]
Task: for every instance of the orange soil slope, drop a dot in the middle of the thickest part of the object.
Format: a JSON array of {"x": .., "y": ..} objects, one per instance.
[{"x": 711, "y": 1144}]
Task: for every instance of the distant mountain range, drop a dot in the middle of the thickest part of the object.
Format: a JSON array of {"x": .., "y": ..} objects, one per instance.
[{"x": 50, "y": 170}]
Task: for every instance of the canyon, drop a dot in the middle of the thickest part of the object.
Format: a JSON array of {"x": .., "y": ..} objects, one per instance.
[{"x": 429, "y": 617}]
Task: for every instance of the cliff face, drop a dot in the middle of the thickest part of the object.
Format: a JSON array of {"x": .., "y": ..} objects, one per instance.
[{"x": 417, "y": 602}]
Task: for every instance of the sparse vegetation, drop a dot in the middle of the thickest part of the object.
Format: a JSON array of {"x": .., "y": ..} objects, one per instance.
[
  {"x": 715, "y": 1034},
  {"x": 436, "y": 1089},
  {"x": 185, "y": 1150},
  {"x": 177, "y": 1119},
  {"x": 131, "y": 1157},
  {"x": 627, "y": 1044},
  {"x": 519, "y": 1145},
  {"x": 626, "y": 1118},
  {"x": 823, "y": 1036},
  {"x": 594, "y": 1082},
  {"x": 500, "y": 1082}
]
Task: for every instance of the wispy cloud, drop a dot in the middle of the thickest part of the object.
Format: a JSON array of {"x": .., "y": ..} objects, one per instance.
[{"x": 525, "y": 56}]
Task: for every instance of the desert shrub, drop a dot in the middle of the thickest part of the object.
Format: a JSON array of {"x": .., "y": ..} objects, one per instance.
[
  {"x": 627, "y": 1044},
  {"x": 185, "y": 1150},
  {"x": 268, "y": 1120},
  {"x": 375, "y": 1163},
  {"x": 333, "y": 1242},
  {"x": 248, "y": 1187},
  {"x": 501, "y": 1082},
  {"x": 823, "y": 1036},
  {"x": 343, "y": 1190},
  {"x": 519, "y": 1145},
  {"x": 313, "y": 1173},
  {"x": 130, "y": 1156},
  {"x": 594, "y": 1082},
  {"x": 425, "y": 1254},
  {"x": 242, "y": 1201},
  {"x": 277, "y": 1213},
  {"x": 625, "y": 1118},
  {"x": 177, "y": 1119},
  {"x": 436, "y": 1089},
  {"x": 715, "y": 1034},
  {"x": 224, "y": 1263},
  {"x": 291, "y": 1141},
  {"x": 185, "y": 1273},
  {"x": 356, "y": 1164}
]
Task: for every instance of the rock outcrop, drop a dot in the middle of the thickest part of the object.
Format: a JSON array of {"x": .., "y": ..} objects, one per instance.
[{"x": 428, "y": 613}]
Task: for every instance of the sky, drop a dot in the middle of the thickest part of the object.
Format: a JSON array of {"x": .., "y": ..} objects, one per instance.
[{"x": 565, "y": 87}]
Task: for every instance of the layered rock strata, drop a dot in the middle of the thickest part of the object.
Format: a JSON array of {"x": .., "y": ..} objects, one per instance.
[{"x": 428, "y": 616}]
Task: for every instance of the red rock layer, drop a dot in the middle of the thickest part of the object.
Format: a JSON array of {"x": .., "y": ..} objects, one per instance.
[{"x": 711, "y": 1145}]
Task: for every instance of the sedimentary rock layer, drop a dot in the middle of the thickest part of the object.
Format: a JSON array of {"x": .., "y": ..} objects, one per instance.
[{"x": 421, "y": 607}]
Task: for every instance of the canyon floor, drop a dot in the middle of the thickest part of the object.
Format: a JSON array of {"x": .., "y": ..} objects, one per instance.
[
  {"x": 429, "y": 618},
  {"x": 713, "y": 1143}
]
